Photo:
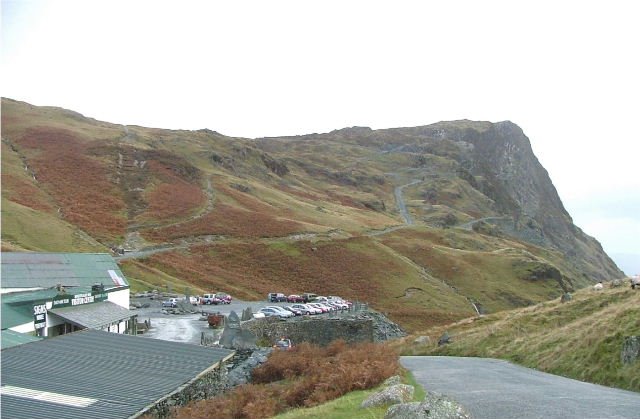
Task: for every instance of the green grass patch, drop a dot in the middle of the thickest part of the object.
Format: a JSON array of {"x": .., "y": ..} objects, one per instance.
[
  {"x": 38, "y": 231},
  {"x": 348, "y": 406}
]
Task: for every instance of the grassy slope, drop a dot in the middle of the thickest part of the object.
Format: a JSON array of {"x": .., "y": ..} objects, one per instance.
[{"x": 580, "y": 339}]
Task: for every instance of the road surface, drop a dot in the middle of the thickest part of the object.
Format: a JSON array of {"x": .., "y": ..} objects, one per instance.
[
  {"x": 491, "y": 388},
  {"x": 400, "y": 201}
]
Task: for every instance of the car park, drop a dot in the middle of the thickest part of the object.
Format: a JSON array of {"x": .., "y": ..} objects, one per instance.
[{"x": 171, "y": 302}]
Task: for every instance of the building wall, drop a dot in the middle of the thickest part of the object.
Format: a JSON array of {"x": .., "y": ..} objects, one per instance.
[
  {"x": 120, "y": 297},
  {"x": 23, "y": 328}
]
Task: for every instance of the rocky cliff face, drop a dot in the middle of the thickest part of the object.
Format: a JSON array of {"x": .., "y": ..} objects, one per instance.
[{"x": 504, "y": 168}]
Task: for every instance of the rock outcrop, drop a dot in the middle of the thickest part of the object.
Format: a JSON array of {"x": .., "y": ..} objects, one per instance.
[
  {"x": 397, "y": 393},
  {"x": 434, "y": 406}
]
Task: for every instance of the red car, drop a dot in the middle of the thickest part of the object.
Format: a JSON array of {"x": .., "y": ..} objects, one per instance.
[
  {"x": 294, "y": 298},
  {"x": 223, "y": 297}
]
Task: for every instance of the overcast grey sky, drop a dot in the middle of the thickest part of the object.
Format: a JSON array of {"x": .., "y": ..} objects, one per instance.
[{"x": 564, "y": 71}]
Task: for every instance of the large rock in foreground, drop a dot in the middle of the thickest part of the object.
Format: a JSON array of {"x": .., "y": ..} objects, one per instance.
[
  {"x": 434, "y": 406},
  {"x": 399, "y": 393}
]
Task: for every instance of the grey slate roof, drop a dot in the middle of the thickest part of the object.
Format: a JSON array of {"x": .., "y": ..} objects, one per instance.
[
  {"x": 46, "y": 270},
  {"x": 123, "y": 373},
  {"x": 94, "y": 316}
]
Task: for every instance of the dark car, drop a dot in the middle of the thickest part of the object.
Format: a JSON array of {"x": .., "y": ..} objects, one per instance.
[
  {"x": 276, "y": 297},
  {"x": 283, "y": 345}
]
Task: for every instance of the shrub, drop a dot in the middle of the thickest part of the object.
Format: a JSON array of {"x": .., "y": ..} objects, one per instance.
[{"x": 306, "y": 376}]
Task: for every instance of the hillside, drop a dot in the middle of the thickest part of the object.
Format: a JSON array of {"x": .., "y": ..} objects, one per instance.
[
  {"x": 581, "y": 339},
  {"x": 427, "y": 224}
]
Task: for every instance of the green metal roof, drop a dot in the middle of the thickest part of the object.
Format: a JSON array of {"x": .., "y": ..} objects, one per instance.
[
  {"x": 17, "y": 307},
  {"x": 10, "y": 338},
  {"x": 46, "y": 270}
]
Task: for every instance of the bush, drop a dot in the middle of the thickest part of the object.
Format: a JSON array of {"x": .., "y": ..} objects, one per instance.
[{"x": 306, "y": 376}]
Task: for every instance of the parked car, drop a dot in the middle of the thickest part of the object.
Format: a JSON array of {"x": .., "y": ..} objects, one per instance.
[
  {"x": 282, "y": 310},
  {"x": 635, "y": 282},
  {"x": 271, "y": 312},
  {"x": 320, "y": 307},
  {"x": 276, "y": 297},
  {"x": 171, "y": 302},
  {"x": 306, "y": 309},
  {"x": 223, "y": 297},
  {"x": 295, "y": 298},
  {"x": 193, "y": 300},
  {"x": 309, "y": 297},
  {"x": 283, "y": 345},
  {"x": 209, "y": 299},
  {"x": 338, "y": 305},
  {"x": 295, "y": 311}
]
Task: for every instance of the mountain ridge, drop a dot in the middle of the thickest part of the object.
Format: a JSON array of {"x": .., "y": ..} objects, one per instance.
[{"x": 484, "y": 209}]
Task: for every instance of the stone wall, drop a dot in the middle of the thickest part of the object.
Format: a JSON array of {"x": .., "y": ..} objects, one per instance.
[
  {"x": 316, "y": 331},
  {"x": 210, "y": 384}
]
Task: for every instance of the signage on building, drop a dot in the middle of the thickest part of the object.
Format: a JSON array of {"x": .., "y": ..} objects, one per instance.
[
  {"x": 69, "y": 300},
  {"x": 39, "y": 316}
]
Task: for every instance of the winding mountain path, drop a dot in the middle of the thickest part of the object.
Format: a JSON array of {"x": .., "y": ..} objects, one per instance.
[
  {"x": 491, "y": 388},
  {"x": 402, "y": 207}
]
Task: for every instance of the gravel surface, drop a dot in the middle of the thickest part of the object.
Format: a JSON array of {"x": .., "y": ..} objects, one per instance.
[{"x": 188, "y": 327}]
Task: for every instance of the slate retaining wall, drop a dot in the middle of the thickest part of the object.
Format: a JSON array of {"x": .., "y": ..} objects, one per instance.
[{"x": 316, "y": 331}]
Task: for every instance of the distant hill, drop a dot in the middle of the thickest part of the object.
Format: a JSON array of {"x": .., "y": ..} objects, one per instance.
[{"x": 427, "y": 223}]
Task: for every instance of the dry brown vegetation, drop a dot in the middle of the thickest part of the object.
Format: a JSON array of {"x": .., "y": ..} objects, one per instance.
[
  {"x": 78, "y": 182},
  {"x": 227, "y": 220},
  {"x": 306, "y": 376},
  {"x": 337, "y": 267},
  {"x": 173, "y": 198},
  {"x": 25, "y": 193}
]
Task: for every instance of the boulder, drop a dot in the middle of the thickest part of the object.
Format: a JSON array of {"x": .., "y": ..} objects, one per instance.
[
  {"x": 566, "y": 297},
  {"x": 444, "y": 339},
  {"x": 391, "y": 381},
  {"x": 398, "y": 393},
  {"x": 434, "y": 406},
  {"x": 616, "y": 283},
  {"x": 630, "y": 349}
]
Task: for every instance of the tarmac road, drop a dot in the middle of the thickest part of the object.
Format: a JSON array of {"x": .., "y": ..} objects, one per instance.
[{"x": 491, "y": 388}]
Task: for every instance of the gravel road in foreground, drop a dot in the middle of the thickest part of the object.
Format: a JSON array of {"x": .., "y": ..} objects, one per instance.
[{"x": 490, "y": 388}]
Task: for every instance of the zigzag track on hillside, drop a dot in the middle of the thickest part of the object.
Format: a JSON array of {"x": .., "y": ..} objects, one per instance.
[{"x": 132, "y": 235}]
